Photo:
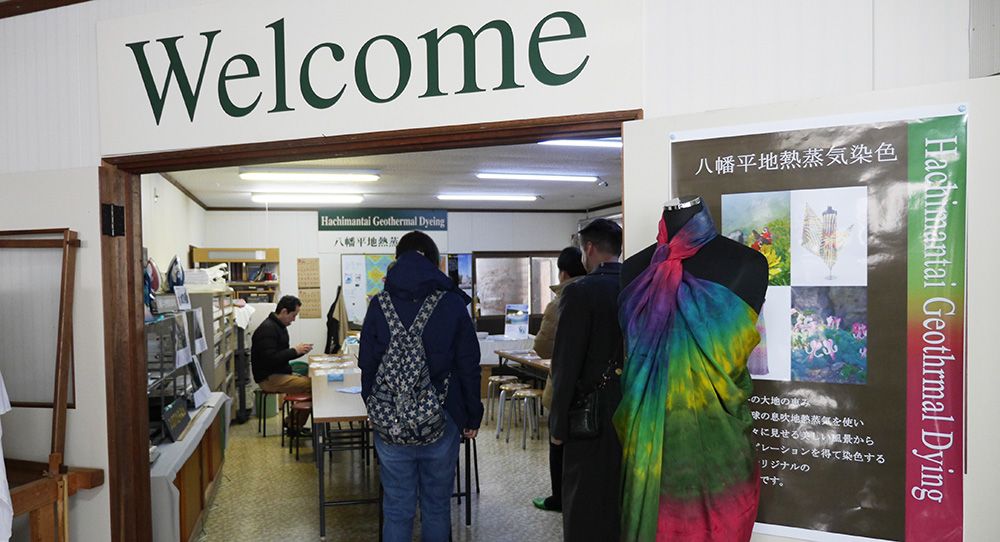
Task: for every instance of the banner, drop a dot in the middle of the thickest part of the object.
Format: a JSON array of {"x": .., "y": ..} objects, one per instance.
[
  {"x": 378, "y": 230},
  {"x": 936, "y": 330},
  {"x": 858, "y": 378}
]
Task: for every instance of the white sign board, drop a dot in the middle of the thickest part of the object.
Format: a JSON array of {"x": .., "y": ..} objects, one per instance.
[{"x": 244, "y": 72}]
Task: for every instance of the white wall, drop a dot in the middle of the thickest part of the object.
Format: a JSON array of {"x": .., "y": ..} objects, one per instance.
[
  {"x": 67, "y": 199},
  {"x": 701, "y": 56},
  {"x": 295, "y": 234},
  {"x": 171, "y": 221},
  {"x": 647, "y": 163},
  {"x": 984, "y": 37}
]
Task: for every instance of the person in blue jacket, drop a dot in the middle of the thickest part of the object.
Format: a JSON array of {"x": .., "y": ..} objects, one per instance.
[{"x": 424, "y": 472}]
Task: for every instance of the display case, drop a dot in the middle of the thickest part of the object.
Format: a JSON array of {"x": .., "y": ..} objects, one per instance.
[
  {"x": 167, "y": 383},
  {"x": 253, "y": 272}
]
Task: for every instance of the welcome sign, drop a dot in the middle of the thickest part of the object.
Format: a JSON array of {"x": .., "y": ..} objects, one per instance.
[{"x": 260, "y": 71}]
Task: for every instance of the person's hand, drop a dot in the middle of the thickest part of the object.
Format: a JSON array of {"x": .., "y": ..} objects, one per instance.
[
  {"x": 303, "y": 349},
  {"x": 555, "y": 441},
  {"x": 470, "y": 433}
]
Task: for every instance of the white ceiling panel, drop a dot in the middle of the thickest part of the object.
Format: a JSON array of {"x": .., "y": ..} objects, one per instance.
[{"x": 415, "y": 179}]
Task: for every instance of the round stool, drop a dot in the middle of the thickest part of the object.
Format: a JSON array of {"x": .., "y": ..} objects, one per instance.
[
  {"x": 287, "y": 403},
  {"x": 493, "y": 392},
  {"x": 262, "y": 411},
  {"x": 506, "y": 390},
  {"x": 298, "y": 406},
  {"x": 531, "y": 400}
]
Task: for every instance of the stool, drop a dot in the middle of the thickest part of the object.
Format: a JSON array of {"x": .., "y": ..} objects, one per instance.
[
  {"x": 532, "y": 398},
  {"x": 262, "y": 410},
  {"x": 286, "y": 409},
  {"x": 298, "y": 406},
  {"x": 493, "y": 391},
  {"x": 505, "y": 392}
]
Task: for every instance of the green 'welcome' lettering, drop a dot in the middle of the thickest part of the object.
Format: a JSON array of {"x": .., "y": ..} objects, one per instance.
[
  {"x": 158, "y": 98},
  {"x": 469, "y": 57},
  {"x": 575, "y": 29}
]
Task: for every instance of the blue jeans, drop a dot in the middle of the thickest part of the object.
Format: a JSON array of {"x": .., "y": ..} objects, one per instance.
[{"x": 425, "y": 472}]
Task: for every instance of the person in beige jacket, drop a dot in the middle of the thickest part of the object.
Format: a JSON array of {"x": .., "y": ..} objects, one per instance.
[{"x": 570, "y": 268}]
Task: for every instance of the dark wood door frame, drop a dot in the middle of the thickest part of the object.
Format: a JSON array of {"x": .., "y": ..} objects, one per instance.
[{"x": 124, "y": 340}]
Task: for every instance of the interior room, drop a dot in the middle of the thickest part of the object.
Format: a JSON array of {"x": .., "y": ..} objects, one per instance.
[
  {"x": 509, "y": 211},
  {"x": 781, "y": 329}
]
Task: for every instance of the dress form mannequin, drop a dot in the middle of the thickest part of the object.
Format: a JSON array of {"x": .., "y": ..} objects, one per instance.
[{"x": 740, "y": 268}]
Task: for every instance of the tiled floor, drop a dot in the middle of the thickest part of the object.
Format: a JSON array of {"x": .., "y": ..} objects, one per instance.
[{"x": 265, "y": 495}]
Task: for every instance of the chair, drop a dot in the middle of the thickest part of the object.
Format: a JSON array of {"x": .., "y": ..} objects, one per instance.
[
  {"x": 286, "y": 409},
  {"x": 532, "y": 402},
  {"x": 262, "y": 411},
  {"x": 493, "y": 391},
  {"x": 506, "y": 390}
]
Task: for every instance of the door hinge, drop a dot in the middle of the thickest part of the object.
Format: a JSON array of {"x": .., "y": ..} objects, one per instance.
[{"x": 112, "y": 220}]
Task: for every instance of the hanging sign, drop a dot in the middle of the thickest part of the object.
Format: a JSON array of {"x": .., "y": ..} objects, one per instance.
[
  {"x": 255, "y": 71},
  {"x": 859, "y": 375},
  {"x": 376, "y": 231}
]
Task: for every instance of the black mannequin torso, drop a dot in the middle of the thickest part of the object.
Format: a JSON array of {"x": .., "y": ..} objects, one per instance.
[{"x": 740, "y": 268}]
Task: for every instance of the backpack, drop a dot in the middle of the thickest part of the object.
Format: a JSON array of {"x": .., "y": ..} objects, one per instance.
[{"x": 404, "y": 407}]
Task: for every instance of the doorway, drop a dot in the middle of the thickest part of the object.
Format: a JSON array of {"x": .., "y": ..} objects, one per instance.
[{"x": 125, "y": 345}]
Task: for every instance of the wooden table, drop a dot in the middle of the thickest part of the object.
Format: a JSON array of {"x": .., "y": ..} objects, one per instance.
[
  {"x": 529, "y": 363},
  {"x": 332, "y": 406}
]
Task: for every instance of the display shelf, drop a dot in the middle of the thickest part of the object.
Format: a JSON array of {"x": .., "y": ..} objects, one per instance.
[
  {"x": 220, "y": 330},
  {"x": 253, "y": 272},
  {"x": 166, "y": 382}
]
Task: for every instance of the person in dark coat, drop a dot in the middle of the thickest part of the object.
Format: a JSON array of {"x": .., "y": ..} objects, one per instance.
[
  {"x": 588, "y": 346},
  {"x": 452, "y": 351}
]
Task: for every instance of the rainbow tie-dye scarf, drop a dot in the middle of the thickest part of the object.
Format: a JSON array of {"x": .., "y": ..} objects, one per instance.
[{"x": 689, "y": 469}]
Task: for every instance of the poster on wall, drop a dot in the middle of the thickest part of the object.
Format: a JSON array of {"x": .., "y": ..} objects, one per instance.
[
  {"x": 363, "y": 277},
  {"x": 377, "y": 231},
  {"x": 859, "y": 373}
]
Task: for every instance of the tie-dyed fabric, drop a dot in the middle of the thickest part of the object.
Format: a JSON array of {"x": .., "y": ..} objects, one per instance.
[{"x": 689, "y": 468}]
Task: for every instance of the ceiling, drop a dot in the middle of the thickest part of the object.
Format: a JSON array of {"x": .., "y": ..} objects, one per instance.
[{"x": 413, "y": 180}]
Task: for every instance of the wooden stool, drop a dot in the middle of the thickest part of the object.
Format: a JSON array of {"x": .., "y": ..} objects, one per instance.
[
  {"x": 298, "y": 406},
  {"x": 262, "y": 410},
  {"x": 506, "y": 390},
  {"x": 286, "y": 409},
  {"x": 530, "y": 398},
  {"x": 493, "y": 391}
]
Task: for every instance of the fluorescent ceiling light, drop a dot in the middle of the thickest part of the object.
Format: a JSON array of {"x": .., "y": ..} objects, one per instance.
[
  {"x": 307, "y": 175},
  {"x": 610, "y": 143},
  {"x": 484, "y": 197},
  {"x": 536, "y": 177},
  {"x": 307, "y": 198}
]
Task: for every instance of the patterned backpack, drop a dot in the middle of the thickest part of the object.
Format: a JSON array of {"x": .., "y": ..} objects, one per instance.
[{"x": 404, "y": 406}]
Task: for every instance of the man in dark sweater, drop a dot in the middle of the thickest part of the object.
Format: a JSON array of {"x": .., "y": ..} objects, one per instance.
[{"x": 270, "y": 353}]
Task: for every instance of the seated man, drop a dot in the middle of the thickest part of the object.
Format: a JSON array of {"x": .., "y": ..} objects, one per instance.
[{"x": 270, "y": 354}]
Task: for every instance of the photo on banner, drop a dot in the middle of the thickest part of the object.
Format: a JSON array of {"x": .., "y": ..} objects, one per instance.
[{"x": 862, "y": 226}]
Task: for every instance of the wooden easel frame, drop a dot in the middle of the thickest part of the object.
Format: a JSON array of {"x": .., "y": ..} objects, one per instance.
[{"x": 42, "y": 489}]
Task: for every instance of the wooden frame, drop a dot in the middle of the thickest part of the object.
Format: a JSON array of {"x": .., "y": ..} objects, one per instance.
[
  {"x": 125, "y": 347},
  {"x": 42, "y": 490},
  {"x": 13, "y": 8}
]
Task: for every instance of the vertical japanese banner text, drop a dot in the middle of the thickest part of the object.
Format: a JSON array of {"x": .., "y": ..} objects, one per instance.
[{"x": 936, "y": 329}]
